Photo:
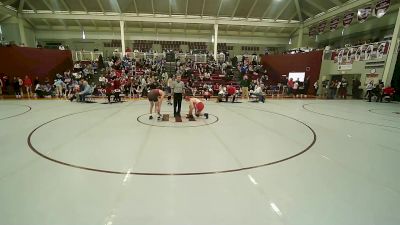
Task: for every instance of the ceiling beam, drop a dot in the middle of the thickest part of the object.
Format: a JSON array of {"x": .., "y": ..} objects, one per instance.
[
  {"x": 251, "y": 9},
  {"x": 292, "y": 16},
  {"x": 219, "y": 7},
  {"x": 336, "y": 2},
  {"x": 315, "y": 5},
  {"x": 31, "y": 6},
  {"x": 158, "y": 19},
  {"x": 101, "y": 6},
  {"x": 66, "y": 6},
  {"x": 266, "y": 11},
  {"x": 21, "y": 6},
  {"x": 308, "y": 13},
  {"x": 94, "y": 24},
  {"x": 83, "y": 6},
  {"x": 116, "y": 4},
  {"x": 135, "y": 5},
  {"x": 4, "y": 18},
  {"x": 152, "y": 7},
  {"x": 169, "y": 8},
  {"x": 202, "y": 9},
  {"x": 187, "y": 6},
  {"x": 283, "y": 9},
  {"x": 347, "y": 6},
  {"x": 235, "y": 9},
  {"x": 296, "y": 3},
  {"x": 9, "y": 2},
  {"x": 48, "y": 5},
  {"x": 7, "y": 11}
]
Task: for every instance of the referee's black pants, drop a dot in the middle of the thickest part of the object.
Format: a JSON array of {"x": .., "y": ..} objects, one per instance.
[{"x": 177, "y": 103}]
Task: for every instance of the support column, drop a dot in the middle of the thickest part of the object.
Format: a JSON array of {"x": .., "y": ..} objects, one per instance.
[
  {"x": 22, "y": 31},
  {"x": 215, "y": 41},
  {"x": 392, "y": 56},
  {"x": 122, "y": 26},
  {"x": 300, "y": 38}
]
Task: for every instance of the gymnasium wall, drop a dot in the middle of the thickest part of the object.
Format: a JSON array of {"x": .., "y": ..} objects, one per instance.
[
  {"x": 278, "y": 65},
  {"x": 21, "y": 61},
  {"x": 359, "y": 70}
]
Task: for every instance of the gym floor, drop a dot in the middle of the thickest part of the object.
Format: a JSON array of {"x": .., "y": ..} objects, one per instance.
[{"x": 295, "y": 162}]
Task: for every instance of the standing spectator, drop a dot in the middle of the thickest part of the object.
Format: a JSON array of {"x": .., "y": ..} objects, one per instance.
[
  {"x": 28, "y": 86},
  {"x": 379, "y": 92},
  {"x": 369, "y": 88},
  {"x": 295, "y": 88},
  {"x": 337, "y": 91},
  {"x": 244, "y": 85},
  {"x": 290, "y": 85},
  {"x": 343, "y": 89},
  {"x": 59, "y": 87},
  {"x": 21, "y": 84},
  {"x": 316, "y": 88},
  {"x": 17, "y": 88},
  {"x": 177, "y": 89}
]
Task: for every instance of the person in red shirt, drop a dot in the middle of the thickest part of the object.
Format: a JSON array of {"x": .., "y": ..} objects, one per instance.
[
  {"x": 230, "y": 91},
  {"x": 109, "y": 92},
  {"x": 197, "y": 105},
  {"x": 117, "y": 90},
  {"x": 290, "y": 85},
  {"x": 28, "y": 86},
  {"x": 388, "y": 93}
]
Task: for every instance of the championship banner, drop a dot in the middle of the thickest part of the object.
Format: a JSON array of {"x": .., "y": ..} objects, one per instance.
[
  {"x": 321, "y": 27},
  {"x": 348, "y": 19},
  {"x": 334, "y": 24},
  {"x": 381, "y": 8},
  {"x": 363, "y": 14}
]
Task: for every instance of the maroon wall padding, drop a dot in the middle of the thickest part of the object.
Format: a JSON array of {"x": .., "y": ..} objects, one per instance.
[
  {"x": 21, "y": 61},
  {"x": 278, "y": 65}
]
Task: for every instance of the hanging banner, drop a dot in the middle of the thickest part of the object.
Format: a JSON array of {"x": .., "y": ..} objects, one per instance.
[
  {"x": 334, "y": 24},
  {"x": 381, "y": 8},
  {"x": 312, "y": 31},
  {"x": 321, "y": 27},
  {"x": 363, "y": 14},
  {"x": 348, "y": 19}
]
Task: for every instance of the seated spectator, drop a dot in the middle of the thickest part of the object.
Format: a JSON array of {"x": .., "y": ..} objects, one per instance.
[
  {"x": 258, "y": 92},
  {"x": 39, "y": 90}
]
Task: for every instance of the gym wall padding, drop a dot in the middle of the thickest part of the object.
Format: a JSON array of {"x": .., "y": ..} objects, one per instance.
[
  {"x": 21, "y": 61},
  {"x": 278, "y": 65}
]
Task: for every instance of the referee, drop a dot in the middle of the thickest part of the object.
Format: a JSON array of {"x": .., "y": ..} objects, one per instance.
[{"x": 177, "y": 89}]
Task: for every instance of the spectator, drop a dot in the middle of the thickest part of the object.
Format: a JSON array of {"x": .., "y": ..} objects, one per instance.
[
  {"x": 244, "y": 85},
  {"x": 59, "y": 87},
  {"x": 28, "y": 86},
  {"x": 21, "y": 84},
  {"x": 343, "y": 89},
  {"x": 16, "y": 87},
  {"x": 290, "y": 85},
  {"x": 369, "y": 88}
]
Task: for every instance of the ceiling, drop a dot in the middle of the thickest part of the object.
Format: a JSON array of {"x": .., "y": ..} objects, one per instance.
[
  {"x": 282, "y": 15},
  {"x": 258, "y": 9}
]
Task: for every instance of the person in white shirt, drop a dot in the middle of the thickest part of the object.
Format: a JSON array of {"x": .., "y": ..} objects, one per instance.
[
  {"x": 258, "y": 91},
  {"x": 369, "y": 88},
  {"x": 295, "y": 88}
]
